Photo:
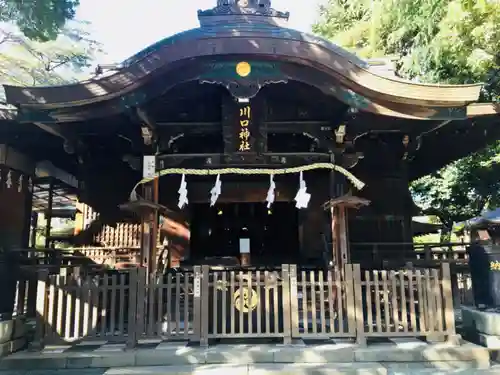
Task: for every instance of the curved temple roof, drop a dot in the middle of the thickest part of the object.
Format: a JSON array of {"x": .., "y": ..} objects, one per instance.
[{"x": 243, "y": 29}]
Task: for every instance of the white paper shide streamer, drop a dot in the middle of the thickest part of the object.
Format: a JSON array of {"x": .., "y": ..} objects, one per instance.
[
  {"x": 183, "y": 192},
  {"x": 215, "y": 192},
  {"x": 8, "y": 182},
  {"x": 303, "y": 197},
  {"x": 20, "y": 184},
  {"x": 271, "y": 192}
]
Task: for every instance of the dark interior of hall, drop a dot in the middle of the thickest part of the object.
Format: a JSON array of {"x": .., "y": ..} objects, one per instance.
[{"x": 273, "y": 233}]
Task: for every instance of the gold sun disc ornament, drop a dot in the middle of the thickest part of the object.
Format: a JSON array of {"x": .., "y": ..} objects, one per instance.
[{"x": 243, "y": 69}]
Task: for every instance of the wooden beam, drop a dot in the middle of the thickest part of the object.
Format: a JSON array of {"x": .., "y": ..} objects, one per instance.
[
  {"x": 240, "y": 159},
  {"x": 343, "y": 240},
  {"x": 270, "y": 126},
  {"x": 71, "y": 140},
  {"x": 153, "y": 261},
  {"x": 144, "y": 116},
  {"x": 146, "y": 231},
  {"x": 48, "y": 216},
  {"x": 229, "y": 123},
  {"x": 333, "y": 217}
]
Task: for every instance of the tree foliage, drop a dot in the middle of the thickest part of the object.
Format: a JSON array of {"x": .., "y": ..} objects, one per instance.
[
  {"x": 40, "y": 20},
  {"x": 434, "y": 41},
  {"x": 27, "y": 62},
  {"x": 463, "y": 189},
  {"x": 440, "y": 41}
]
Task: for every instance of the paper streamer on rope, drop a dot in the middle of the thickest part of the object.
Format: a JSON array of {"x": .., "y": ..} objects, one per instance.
[
  {"x": 20, "y": 184},
  {"x": 8, "y": 182},
  {"x": 215, "y": 192},
  {"x": 303, "y": 197},
  {"x": 270, "y": 193},
  {"x": 183, "y": 199},
  {"x": 358, "y": 184}
]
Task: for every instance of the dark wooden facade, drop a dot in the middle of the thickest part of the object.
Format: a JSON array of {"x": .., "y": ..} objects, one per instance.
[{"x": 184, "y": 100}]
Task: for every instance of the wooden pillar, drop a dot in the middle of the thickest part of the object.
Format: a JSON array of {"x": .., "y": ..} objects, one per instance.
[
  {"x": 146, "y": 228},
  {"x": 80, "y": 218},
  {"x": 149, "y": 228},
  {"x": 153, "y": 264},
  {"x": 343, "y": 235},
  {"x": 48, "y": 215},
  {"x": 333, "y": 216},
  {"x": 28, "y": 213},
  {"x": 34, "y": 229}
]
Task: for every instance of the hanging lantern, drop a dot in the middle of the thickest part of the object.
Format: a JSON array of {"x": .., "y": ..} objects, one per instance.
[
  {"x": 183, "y": 199},
  {"x": 215, "y": 192},
  {"x": 303, "y": 197}
]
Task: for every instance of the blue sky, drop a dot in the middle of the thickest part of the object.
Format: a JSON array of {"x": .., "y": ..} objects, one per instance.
[{"x": 125, "y": 27}]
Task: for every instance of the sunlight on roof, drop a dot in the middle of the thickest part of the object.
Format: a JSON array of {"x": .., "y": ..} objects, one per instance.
[{"x": 126, "y": 27}]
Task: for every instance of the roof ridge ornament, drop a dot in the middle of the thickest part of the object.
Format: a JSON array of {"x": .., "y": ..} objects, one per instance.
[{"x": 242, "y": 11}]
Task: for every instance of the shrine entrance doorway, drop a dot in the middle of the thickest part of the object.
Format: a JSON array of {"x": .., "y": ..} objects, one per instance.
[{"x": 270, "y": 236}]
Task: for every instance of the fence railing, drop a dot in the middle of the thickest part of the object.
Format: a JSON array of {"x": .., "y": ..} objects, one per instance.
[
  {"x": 203, "y": 304},
  {"x": 322, "y": 303},
  {"x": 408, "y": 302},
  {"x": 250, "y": 303},
  {"x": 394, "y": 255},
  {"x": 401, "y": 252}
]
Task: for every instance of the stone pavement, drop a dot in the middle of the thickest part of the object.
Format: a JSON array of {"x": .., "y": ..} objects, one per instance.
[
  {"x": 275, "y": 369},
  {"x": 336, "y": 358}
]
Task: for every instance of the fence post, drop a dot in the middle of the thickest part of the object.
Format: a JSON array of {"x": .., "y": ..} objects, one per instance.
[
  {"x": 133, "y": 317},
  {"x": 427, "y": 253},
  {"x": 41, "y": 310},
  {"x": 455, "y": 291},
  {"x": 197, "y": 304},
  {"x": 294, "y": 302},
  {"x": 287, "y": 334},
  {"x": 205, "y": 291},
  {"x": 353, "y": 276},
  {"x": 449, "y": 313},
  {"x": 142, "y": 286},
  {"x": 31, "y": 298}
]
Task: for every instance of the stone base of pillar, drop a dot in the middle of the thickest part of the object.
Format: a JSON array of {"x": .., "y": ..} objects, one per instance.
[
  {"x": 12, "y": 336},
  {"x": 482, "y": 326}
]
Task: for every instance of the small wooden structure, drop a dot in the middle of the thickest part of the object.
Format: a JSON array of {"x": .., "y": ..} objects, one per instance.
[{"x": 338, "y": 210}]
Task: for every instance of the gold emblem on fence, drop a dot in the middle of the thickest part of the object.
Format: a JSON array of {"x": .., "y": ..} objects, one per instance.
[
  {"x": 250, "y": 299},
  {"x": 495, "y": 266}
]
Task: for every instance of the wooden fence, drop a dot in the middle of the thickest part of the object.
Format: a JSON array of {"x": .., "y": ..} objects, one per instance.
[
  {"x": 394, "y": 255},
  {"x": 408, "y": 303},
  {"x": 418, "y": 255},
  {"x": 202, "y": 303},
  {"x": 245, "y": 303}
]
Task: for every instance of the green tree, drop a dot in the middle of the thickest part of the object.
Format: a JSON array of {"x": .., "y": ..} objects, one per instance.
[
  {"x": 40, "y": 20},
  {"x": 64, "y": 60},
  {"x": 461, "y": 190},
  {"x": 434, "y": 41},
  {"x": 452, "y": 41}
]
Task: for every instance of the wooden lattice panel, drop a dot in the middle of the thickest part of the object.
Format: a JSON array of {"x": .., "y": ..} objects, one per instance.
[{"x": 122, "y": 235}]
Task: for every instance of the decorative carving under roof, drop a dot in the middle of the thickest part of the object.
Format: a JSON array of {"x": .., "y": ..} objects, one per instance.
[
  {"x": 251, "y": 11},
  {"x": 348, "y": 201}
]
